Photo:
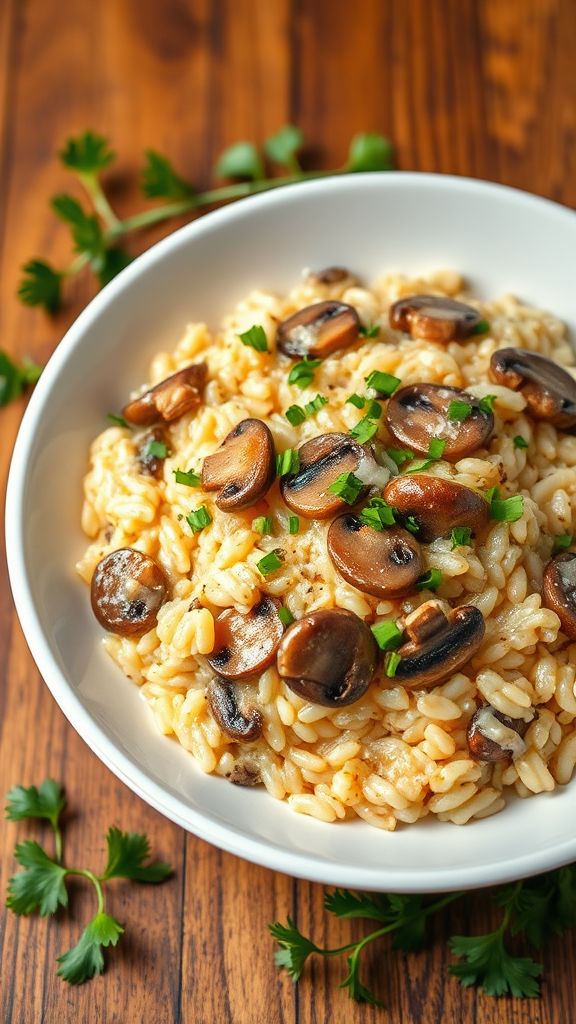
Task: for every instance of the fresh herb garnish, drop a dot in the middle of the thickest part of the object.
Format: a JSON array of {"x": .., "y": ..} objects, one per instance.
[
  {"x": 377, "y": 514},
  {"x": 285, "y": 616},
  {"x": 99, "y": 234},
  {"x": 519, "y": 442},
  {"x": 387, "y": 635},
  {"x": 400, "y": 455},
  {"x": 41, "y": 886},
  {"x": 118, "y": 421},
  {"x": 357, "y": 400},
  {"x": 562, "y": 542},
  {"x": 482, "y": 327},
  {"x": 365, "y": 429},
  {"x": 315, "y": 405},
  {"x": 255, "y": 337},
  {"x": 505, "y": 510},
  {"x": 287, "y": 462},
  {"x": 384, "y": 383},
  {"x": 293, "y": 524},
  {"x": 458, "y": 410},
  {"x": 430, "y": 580},
  {"x": 198, "y": 519},
  {"x": 263, "y": 525},
  {"x": 348, "y": 487},
  {"x": 187, "y": 477},
  {"x": 487, "y": 403},
  {"x": 369, "y": 330},
  {"x": 296, "y": 415},
  {"x": 270, "y": 563},
  {"x": 461, "y": 536},
  {"x": 15, "y": 379},
  {"x": 302, "y": 373},
  {"x": 411, "y": 523},
  {"x": 391, "y": 663},
  {"x": 156, "y": 450},
  {"x": 435, "y": 452}
]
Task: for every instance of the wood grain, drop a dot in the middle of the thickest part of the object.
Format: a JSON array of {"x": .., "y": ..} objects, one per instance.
[{"x": 478, "y": 87}]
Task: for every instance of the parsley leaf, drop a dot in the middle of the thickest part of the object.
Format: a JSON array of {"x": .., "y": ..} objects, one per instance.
[
  {"x": 385, "y": 384},
  {"x": 241, "y": 160},
  {"x": 482, "y": 327},
  {"x": 520, "y": 442},
  {"x": 458, "y": 410},
  {"x": 255, "y": 337},
  {"x": 189, "y": 478},
  {"x": 109, "y": 264},
  {"x": 86, "y": 230},
  {"x": 435, "y": 452},
  {"x": 283, "y": 146},
  {"x": 15, "y": 379},
  {"x": 487, "y": 403},
  {"x": 40, "y": 886},
  {"x": 160, "y": 180},
  {"x": 40, "y": 286},
  {"x": 347, "y": 486},
  {"x": 296, "y": 948},
  {"x": 430, "y": 580},
  {"x": 562, "y": 541},
  {"x": 285, "y": 616},
  {"x": 127, "y": 852},
  {"x": 365, "y": 429},
  {"x": 118, "y": 421},
  {"x": 400, "y": 455},
  {"x": 156, "y": 450},
  {"x": 377, "y": 514},
  {"x": 369, "y": 330},
  {"x": 302, "y": 372},
  {"x": 85, "y": 959},
  {"x": 370, "y": 151},
  {"x": 487, "y": 962},
  {"x": 87, "y": 153},
  {"x": 461, "y": 536},
  {"x": 46, "y": 801}
]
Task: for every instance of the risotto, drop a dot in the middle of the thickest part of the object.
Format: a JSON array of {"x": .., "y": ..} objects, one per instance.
[{"x": 332, "y": 545}]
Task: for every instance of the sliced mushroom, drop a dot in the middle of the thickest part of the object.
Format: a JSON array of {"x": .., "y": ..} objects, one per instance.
[
  {"x": 246, "y": 644},
  {"x": 329, "y": 275},
  {"x": 418, "y": 413},
  {"x": 434, "y": 318},
  {"x": 385, "y": 563},
  {"x": 318, "y": 330},
  {"x": 243, "y": 468},
  {"x": 127, "y": 591},
  {"x": 438, "y": 505},
  {"x": 150, "y": 464},
  {"x": 549, "y": 389},
  {"x": 322, "y": 461},
  {"x": 439, "y": 644},
  {"x": 328, "y": 657},
  {"x": 494, "y": 737},
  {"x": 245, "y": 725},
  {"x": 245, "y": 773},
  {"x": 559, "y": 590},
  {"x": 169, "y": 400}
]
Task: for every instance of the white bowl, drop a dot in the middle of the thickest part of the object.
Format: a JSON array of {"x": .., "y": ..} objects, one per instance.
[{"x": 502, "y": 240}]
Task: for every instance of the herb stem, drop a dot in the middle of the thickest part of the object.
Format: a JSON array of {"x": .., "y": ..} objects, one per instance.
[
  {"x": 94, "y": 189},
  {"x": 86, "y": 873},
  {"x": 57, "y": 841}
]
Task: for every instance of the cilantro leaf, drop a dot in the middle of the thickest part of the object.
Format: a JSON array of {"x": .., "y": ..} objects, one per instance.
[
  {"x": 241, "y": 160},
  {"x": 86, "y": 230},
  {"x": 344, "y": 903},
  {"x": 40, "y": 286},
  {"x": 487, "y": 962},
  {"x": 87, "y": 153},
  {"x": 110, "y": 263},
  {"x": 296, "y": 948},
  {"x": 127, "y": 852},
  {"x": 14, "y": 379},
  {"x": 284, "y": 145},
  {"x": 40, "y": 886},
  {"x": 46, "y": 801},
  {"x": 370, "y": 151},
  {"x": 85, "y": 959},
  {"x": 160, "y": 180}
]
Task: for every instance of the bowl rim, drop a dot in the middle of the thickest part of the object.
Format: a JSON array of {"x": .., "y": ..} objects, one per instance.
[{"x": 259, "y": 851}]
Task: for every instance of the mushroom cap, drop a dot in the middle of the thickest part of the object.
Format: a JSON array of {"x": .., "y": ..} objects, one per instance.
[
  {"x": 419, "y": 412},
  {"x": 322, "y": 461},
  {"x": 493, "y": 736},
  {"x": 328, "y": 657},
  {"x": 243, "y": 468},
  {"x": 549, "y": 390},
  {"x": 126, "y": 591},
  {"x": 559, "y": 590},
  {"x": 244, "y": 725},
  {"x": 170, "y": 399},
  {"x": 246, "y": 643},
  {"x": 437, "y": 504},
  {"x": 385, "y": 563},
  {"x": 318, "y": 330},
  {"x": 434, "y": 318},
  {"x": 439, "y": 643}
]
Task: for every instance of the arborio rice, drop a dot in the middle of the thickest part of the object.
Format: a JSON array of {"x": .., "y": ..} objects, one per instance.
[{"x": 397, "y": 753}]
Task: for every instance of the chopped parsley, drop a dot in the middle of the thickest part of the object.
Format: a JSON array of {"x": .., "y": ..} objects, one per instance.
[
  {"x": 270, "y": 563},
  {"x": 198, "y": 519},
  {"x": 348, "y": 487},
  {"x": 505, "y": 510},
  {"x": 393, "y": 659},
  {"x": 255, "y": 337},
  {"x": 400, "y": 455},
  {"x": 262, "y": 524},
  {"x": 315, "y": 405},
  {"x": 384, "y": 383},
  {"x": 430, "y": 580},
  {"x": 519, "y": 442},
  {"x": 377, "y": 514},
  {"x": 487, "y": 403},
  {"x": 563, "y": 541},
  {"x": 302, "y": 373},
  {"x": 435, "y": 452},
  {"x": 357, "y": 400},
  {"x": 365, "y": 429},
  {"x": 482, "y": 327},
  {"x": 295, "y": 415},
  {"x": 285, "y": 616},
  {"x": 369, "y": 330},
  {"x": 187, "y": 477},
  {"x": 156, "y": 450},
  {"x": 287, "y": 462},
  {"x": 461, "y": 536},
  {"x": 118, "y": 421},
  {"x": 458, "y": 410},
  {"x": 293, "y": 524},
  {"x": 387, "y": 635},
  {"x": 412, "y": 524}
]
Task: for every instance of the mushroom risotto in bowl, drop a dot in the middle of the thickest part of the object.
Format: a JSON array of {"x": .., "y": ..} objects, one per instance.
[{"x": 328, "y": 533}]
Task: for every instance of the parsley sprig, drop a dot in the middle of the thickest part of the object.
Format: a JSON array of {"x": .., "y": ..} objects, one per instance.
[
  {"x": 41, "y": 885},
  {"x": 534, "y": 909},
  {"x": 99, "y": 235}
]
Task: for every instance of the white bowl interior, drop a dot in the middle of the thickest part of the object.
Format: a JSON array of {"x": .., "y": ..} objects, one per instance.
[{"x": 503, "y": 241}]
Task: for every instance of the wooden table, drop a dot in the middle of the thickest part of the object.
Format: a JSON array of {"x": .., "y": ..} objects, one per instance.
[{"x": 478, "y": 87}]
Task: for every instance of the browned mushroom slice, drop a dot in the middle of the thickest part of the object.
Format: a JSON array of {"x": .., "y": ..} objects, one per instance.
[
  {"x": 439, "y": 644},
  {"x": 328, "y": 657},
  {"x": 127, "y": 591},
  {"x": 434, "y": 318},
  {"x": 240, "y": 725},
  {"x": 559, "y": 590},
  {"x": 169, "y": 400},
  {"x": 151, "y": 463},
  {"x": 244, "y": 773},
  {"x": 322, "y": 461},
  {"x": 494, "y": 737},
  {"x": 418, "y": 413},
  {"x": 549, "y": 389},
  {"x": 318, "y": 330},
  {"x": 384, "y": 563},
  {"x": 243, "y": 468},
  {"x": 246, "y": 644},
  {"x": 438, "y": 505},
  {"x": 329, "y": 275}
]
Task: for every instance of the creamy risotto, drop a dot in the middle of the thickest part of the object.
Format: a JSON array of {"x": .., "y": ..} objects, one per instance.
[{"x": 331, "y": 542}]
